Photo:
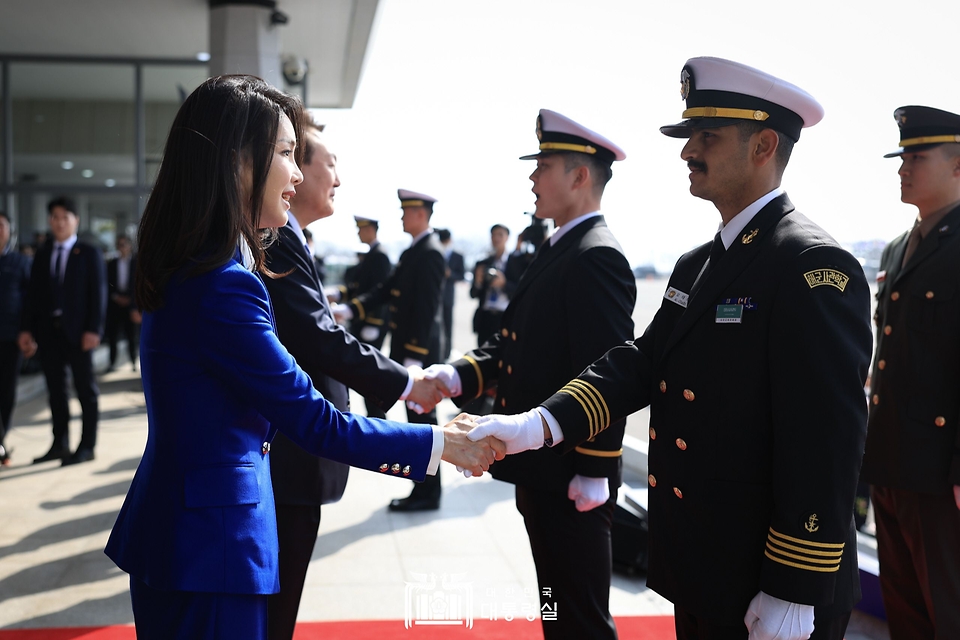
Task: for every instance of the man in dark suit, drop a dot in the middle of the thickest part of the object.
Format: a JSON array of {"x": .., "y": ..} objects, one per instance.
[
  {"x": 122, "y": 313},
  {"x": 414, "y": 293},
  {"x": 912, "y": 457},
  {"x": 573, "y": 303},
  {"x": 14, "y": 282},
  {"x": 754, "y": 369},
  {"x": 456, "y": 269},
  {"x": 490, "y": 284},
  {"x": 64, "y": 315},
  {"x": 334, "y": 359}
]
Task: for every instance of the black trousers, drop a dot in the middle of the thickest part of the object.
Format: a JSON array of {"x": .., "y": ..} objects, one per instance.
[
  {"x": 447, "y": 339},
  {"x": 430, "y": 487},
  {"x": 119, "y": 321},
  {"x": 918, "y": 545},
  {"x": 56, "y": 354},
  {"x": 574, "y": 561},
  {"x": 297, "y": 527},
  {"x": 10, "y": 358},
  {"x": 693, "y": 627}
]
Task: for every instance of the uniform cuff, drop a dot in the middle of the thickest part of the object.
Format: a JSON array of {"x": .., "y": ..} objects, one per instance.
[
  {"x": 437, "y": 452},
  {"x": 555, "y": 431},
  {"x": 408, "y": 388}
]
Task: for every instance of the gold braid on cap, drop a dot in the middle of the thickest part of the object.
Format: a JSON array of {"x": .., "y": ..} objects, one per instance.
[
  {"x": 563, "y": 146},
  {"x": 909, "y": 142},
  {"x": 720, "y": 112}
]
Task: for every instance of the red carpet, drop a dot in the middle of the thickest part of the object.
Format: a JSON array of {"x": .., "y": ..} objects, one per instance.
[{"x": 630, "y": 628}]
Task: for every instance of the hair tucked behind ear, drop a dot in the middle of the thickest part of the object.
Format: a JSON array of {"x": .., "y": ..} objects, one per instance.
[{"x": 197, "y": 212}]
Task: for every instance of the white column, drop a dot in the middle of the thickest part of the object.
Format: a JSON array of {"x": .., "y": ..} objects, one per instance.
[{"x": 242, "y": 40}]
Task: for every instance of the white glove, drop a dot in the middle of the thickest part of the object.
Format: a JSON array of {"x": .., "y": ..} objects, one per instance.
[
  {"x": 770, "y": 618},
  {"x": 369, "y": 334},
  {"x": 447, "y": 375},
  {"x": 411, "y": 363},
  {"x": 341, "y": 312},
  {"x": 520, "y": 432},
  {"x": 588, "y": 493},
  {"x": 332, "y": 294}
]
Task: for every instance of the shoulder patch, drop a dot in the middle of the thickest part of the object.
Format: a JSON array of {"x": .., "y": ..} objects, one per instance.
[{"x": 832, "y": 277}]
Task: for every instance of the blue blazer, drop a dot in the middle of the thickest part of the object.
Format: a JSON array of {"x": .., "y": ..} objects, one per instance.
[{"x": 199, "y": 515}]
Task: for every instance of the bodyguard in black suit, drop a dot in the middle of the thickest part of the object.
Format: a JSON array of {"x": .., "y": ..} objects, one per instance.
[
  {"x": 64, "y": 315},
  {"x": 754, "y": 369},
  {"x": 489, "y": 286},
  {"x": 456, "y": 270},
  {"x": 14, "y": 282},
  {"x": 573, "y": 303},
  {"x": 912, "y": 457},
  {"x": 121, "y": 310},
  {"x": 334, "y": 359},
  {"x": 413, "y": 292}
]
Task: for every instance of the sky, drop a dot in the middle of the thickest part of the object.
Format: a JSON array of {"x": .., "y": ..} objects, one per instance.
[{"x": 451, "y": 89}]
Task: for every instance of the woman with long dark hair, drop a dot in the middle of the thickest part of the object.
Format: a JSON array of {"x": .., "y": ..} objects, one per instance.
[{"x": 197, "y": 531}]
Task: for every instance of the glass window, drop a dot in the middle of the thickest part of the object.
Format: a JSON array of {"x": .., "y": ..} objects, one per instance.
[
  {"x": 165, "y": 87},
  {"x": 73, "y": 124}
]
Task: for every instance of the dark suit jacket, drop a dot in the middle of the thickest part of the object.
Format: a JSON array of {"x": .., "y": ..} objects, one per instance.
[
  {"x": 456, "y": 268},
  {"x": 756, "y": 427},
  {"x": 572, "y": 305},
  {"x": 84, "y": 294},
  {"x": 413, "y": 292},
  {"x": 112, "y": 281},
  {"x": 913, "y": 439},
  {"x": 332, "y": 358},
  {"x": 371, "y": 271},
  {"x": 200, "y": 515}
]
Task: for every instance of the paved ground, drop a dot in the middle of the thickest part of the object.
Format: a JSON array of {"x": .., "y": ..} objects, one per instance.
[{"x": 53, "y": 572}]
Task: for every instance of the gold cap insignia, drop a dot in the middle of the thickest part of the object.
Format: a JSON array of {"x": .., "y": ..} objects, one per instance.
[
  {"x": 901, "y": 117},
  {"x": 684, "y": 84},
  {"x": 539, "y": 130},
  {"x": 748, "y": 237}
]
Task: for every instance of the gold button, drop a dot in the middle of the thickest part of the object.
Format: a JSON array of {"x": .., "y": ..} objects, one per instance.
[
  {"x": 688, "y": 395},
  {"x": 887, "y": 330},
  {"x": 663, "y": 386},
  {"x": 509, "y": 368},
  {"x": 652, "y": 480},
  {"x": 395, "y": 468},
  {"x": 514, "y": 335},
  {"x": 500, "y": 364},
  {"x": 503, "y": 402},
  {"x": 681, "y": 444},
  {"x": 929, "y": 295},
  {"x": 406, "y": 470},
  {"x": 876, "y": 399},
  {"x": 882, "y": 364},
  {"x": 895, "y": 296},
  {"x": 679, "y": 493},
  {"x": 504, "y": 332},
  {"x": 653, "y": 433},
  {"x": 940, "y": 421},
  {"x": 384, "y": 467}
]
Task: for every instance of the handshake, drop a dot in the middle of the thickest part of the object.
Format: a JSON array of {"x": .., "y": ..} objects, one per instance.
[{"x": 473, "y": 443}]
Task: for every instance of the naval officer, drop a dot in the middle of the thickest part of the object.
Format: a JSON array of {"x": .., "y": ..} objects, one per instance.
[
  {"x": 572, "y": 304},
  {"x": 912, "y": 457},
  {"x": 754, "y": 369}
]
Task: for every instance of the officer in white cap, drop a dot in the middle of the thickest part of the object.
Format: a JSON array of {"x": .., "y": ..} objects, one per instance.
[
  {"x": 413, "y": 295},
  {"x": 912, "y": 458},
  {"x": 754, "y": 369},
  {"x": 573, "y": 303}
]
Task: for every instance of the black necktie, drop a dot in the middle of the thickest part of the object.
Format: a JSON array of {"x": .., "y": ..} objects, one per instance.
[
  {"x": 58, "y": 280},
  {"x": 912, "y": 243},
  {"x": 716, "y": 253}
]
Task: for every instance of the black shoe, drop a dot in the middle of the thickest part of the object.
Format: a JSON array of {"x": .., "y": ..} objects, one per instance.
[
  {"x": 55, "y": 453},
  {"x": 5, "y": 456},
  {"x": 414, "y": 503},
  {"x": 81, "y": 455}
]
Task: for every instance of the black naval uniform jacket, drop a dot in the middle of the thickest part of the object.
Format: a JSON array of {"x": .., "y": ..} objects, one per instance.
[
  {"x": 757, "y": 426},
  {"x": 413, "y": 294},
  {"x": 332, "y": 358},
  {"x": 913, "y": 439},
  {"x": 572, "y": 304},
  {"x": 372, "y": 270}
]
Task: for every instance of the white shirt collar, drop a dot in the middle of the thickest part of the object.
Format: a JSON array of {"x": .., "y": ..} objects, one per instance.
[
  {"x": 295, "y": 225},
  {"x": 570, "y": 224},
  {"x": 67, "y": 247},
  {"x": 420, "y": 236},
  {"x": 730, "y": 231},
  {"x": 66, "y": 244}
]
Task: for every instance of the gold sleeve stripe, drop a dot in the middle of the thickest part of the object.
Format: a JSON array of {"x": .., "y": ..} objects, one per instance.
[
  {"x": 801, "y": 566},
  {"x": 589, "y": 407},
  {"x": 598, "y": 399},
  {"x": 476, "y": 369},
  {"x": 583, "y": 405},
  {"x": 342, "y": 289},
  {"x": 826, "y": 554},
  {"x": 599, "y": 454},
  {"x": 829, "y": 561},
  {"x": 416, "y": 349},
  {"x": 821, "y": 545},
  {"x": 376, "y": 321},
  {"x": 361, "y": 313}
]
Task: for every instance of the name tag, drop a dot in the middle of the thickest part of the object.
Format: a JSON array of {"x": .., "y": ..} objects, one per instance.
[
  {"x": 729, "y": 313},
  {"x": 677, "y": 296}
]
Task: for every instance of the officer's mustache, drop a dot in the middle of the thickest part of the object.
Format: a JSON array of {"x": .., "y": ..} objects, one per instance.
[{"x": 696, "y": 165}]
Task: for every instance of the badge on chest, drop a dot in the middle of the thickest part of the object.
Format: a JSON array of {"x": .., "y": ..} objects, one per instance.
[{"x": 730, "y": 310}]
